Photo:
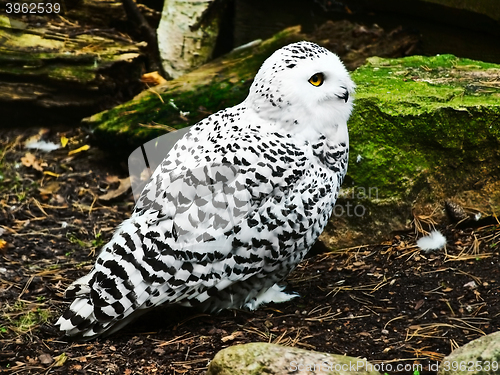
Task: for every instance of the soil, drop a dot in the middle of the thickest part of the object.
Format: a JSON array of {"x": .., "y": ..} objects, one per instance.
[{"x": 390, "y": 302}]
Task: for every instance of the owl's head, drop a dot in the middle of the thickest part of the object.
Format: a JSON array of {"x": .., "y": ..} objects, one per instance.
[{"x": 305, "y": 89}]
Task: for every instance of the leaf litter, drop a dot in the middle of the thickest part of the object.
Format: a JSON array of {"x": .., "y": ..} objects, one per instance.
[{"x": 389, "y": 303}]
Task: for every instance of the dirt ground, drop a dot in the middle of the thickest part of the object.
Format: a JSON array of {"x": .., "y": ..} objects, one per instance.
[{"x": 390, "y": 303}]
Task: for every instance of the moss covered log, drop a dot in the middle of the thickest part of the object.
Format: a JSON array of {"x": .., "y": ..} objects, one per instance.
[
  {"x": 49, "y": 77},
  {"x": 219, "y": 84}
]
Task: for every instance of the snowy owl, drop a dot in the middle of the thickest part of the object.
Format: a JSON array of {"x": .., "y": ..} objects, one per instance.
[{"x": 234, "y": 206}]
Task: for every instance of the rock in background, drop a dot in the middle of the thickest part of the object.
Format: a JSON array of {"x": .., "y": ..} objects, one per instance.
[{"x": 424, "y": 129}]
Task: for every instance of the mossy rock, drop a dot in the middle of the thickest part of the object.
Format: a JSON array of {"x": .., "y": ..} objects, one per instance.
[
  {"x": 419, "y": 113},
  {"x": 478, "y": 357},
  {"x": 263, "y": 358},
  {"x": 424, "y": 129}
]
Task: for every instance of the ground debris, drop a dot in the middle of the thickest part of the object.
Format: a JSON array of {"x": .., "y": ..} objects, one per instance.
[{"x": 390, "y": 303}]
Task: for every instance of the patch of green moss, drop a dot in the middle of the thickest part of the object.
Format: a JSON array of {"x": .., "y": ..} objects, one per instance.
[
  {"x": 418, "y": 116},
  {"x": 23, "y": 317},
  {"x": 125, "y": 123},
  {"x": 76, "y": 73},
  {"x": 32, "y": 319}
]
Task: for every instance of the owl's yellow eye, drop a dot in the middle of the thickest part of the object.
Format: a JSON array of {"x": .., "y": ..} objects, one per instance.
[{"x": 317, "y": 79}]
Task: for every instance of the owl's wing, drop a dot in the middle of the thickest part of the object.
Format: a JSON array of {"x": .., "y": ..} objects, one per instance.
[
  {"x": 205, "y": 188},
  {"x": 227, "y": 213},
  {"x": 214, "y": 214}
]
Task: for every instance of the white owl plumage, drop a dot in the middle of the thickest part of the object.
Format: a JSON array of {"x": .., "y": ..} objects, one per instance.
[{"x": 234, "y": 206}]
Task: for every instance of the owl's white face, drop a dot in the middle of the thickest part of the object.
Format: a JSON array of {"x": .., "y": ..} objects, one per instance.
[{"x": 306, "y": 90}]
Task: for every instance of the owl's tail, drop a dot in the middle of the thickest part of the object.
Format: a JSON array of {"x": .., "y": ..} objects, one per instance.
[
  {"x": 79, "y": 320},
  {"x": 113, "y": 293}
]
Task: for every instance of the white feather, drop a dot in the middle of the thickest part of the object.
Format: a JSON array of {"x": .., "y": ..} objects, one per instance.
[
  {"x": 42, "y": 145},
  {"x": 434, "y": 241},
  {"x": 273, "y": 294}
]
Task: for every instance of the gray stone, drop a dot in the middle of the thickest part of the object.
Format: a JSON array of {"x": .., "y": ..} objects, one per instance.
[
  {"x": 271, "y": 359},
  {"x": 478, "y": 357}
]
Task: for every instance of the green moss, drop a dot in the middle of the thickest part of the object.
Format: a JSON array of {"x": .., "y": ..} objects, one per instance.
[
  {"x": 23, "y": 317},
  {"x": 428, "y": 83},
  {"x": 81, "y": 74},
  {"x": 32, "y": 319},
  {"x": 422, "y": 116}
]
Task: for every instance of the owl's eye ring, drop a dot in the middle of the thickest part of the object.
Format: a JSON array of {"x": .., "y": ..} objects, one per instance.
[{"x": 317, "y": 79}]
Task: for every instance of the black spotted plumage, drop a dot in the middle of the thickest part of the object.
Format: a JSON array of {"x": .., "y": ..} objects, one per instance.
[{"x": 234, "y": 206}]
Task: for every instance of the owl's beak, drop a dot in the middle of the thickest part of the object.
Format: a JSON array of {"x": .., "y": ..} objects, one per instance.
[{"x": 344, "y": 96}]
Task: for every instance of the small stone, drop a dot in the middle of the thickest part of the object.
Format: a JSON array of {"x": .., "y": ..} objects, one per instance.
[{"x": 45, "y": 359}]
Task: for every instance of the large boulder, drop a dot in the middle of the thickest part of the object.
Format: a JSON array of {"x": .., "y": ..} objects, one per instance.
[
  {"x": 262, "y": 358},
  {"x": 424, "y": 129}
]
